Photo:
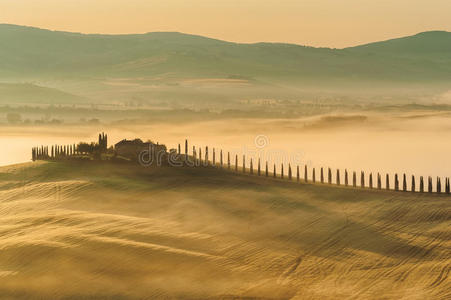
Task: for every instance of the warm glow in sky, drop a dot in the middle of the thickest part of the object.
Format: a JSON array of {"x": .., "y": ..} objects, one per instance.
[{"x": 331, "y": 23}]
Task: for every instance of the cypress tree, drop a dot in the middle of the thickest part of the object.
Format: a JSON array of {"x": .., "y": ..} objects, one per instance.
[
  {"x": 413, "y": 187},
  {"x": 298, "y": 175},
  {"x": 354, "y": 179},
  {"x": 259, "y": 168},
  {"x": 439, "y": 185},
  {"x": 329, "y": 176},
  {"x": 194, "y": 154},
  {"x": 200, "y": 156},
  {"x": 404, "y": 183},
  {"x": 266, "y": 169},
  {"x": 322, "y": 175},
  {"x": 396, "y": 182},
  {"x": 186, "y": 147},
  {"x": 421, "y": 184},
  {"x": 244, "y": 164},
  {"x": 228, "y": 160},
  {"x": 281, "y": 171},
  {"x": 179, "y": 150},
  {"x": 379, "y": 181},
  {"x": 448, "y": 187},
  {"x": 371, "y": 180},
  {"x": 387, "y": 182},
  {"x": 362, "y": 179},
  {"x": 221, "y": 162},
  {"x": 206, "y": 156},
  {"x": 346, "y": 177},
  {"x": 338, "y": 176},
  {"x": 289, "y": 172},
  {"x": 305, "y": 174},
  {"x": 274, "y": 171},
  {"x": 236, "y": 163},
  {"x": 313, "y": 175},
  {"x": 251, "y": 167},
  {"x": 214, "y": 157},
  {"x": 430, "y": 184}
]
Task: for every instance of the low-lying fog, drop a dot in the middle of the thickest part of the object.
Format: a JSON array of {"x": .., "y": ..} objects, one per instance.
[{"x": 414, "y": 143}]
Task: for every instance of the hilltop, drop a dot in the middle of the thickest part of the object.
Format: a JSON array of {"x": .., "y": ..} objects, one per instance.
[
  {"x": 101, "y": 230},
  {"x": 37, "y": 53}
]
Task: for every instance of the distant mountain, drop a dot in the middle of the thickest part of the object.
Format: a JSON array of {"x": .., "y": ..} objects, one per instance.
[{"x": 36, "y": 53}]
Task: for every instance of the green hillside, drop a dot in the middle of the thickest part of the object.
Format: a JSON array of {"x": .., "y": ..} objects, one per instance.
[
  {"x": 35, "y": 52},
  {"x": 31, "y": 93}
]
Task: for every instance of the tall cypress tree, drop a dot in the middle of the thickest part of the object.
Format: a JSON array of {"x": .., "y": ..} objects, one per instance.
[
  {"x": 236, "y": 163},
  {"x": 346, "y": 177},
  {"x": 221, "y": 160},
  {"x": 354, "y": 179},
  {"x": 244, "y": 164},
  {"x": 305, "y": 173},
  {"x": 281, "y": 171},
  {"x": 214, "y": 157},
  {"x": 371, "y": 180},
  {"x": 274, "y": 171},
  {"x": 404, "y": 183},
  {"x": 338, "y": 176},
  {"x": 362, "y": 179},
  {"x": 387, "y": 182},
  {"x": 413, "y": 187},
  {"x": 298, "y": 175},
  {"x": 396, "y": 183},
  {"x": 439, "y": 185},
  {"x": 289, "y": 172},
  {"x": 266, "y": 169},
  {"x": 186, "y": 147},
  {"x": 421, "y": 184},
  {"x": 313, "y": 175},
  {"x": 430, "y": 184},
  {"x": 329, "y": 176},
  {"x": 259, "y": 168},
  {"x": 322, "y": 175},
  {"x": 251, "y": 167},
  {"x": 228, "y": 160},
  {"x": 379, "y": 181}
]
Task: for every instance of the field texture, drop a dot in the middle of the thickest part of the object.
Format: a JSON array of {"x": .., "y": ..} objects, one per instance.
[{"x": 103, "y": 231}]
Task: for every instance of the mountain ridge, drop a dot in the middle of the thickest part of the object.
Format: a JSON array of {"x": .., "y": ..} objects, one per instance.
[{"x": 37, "y": 53}]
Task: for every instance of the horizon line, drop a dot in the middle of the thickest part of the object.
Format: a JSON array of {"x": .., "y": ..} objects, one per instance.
[{"x": 217, "y": 39}]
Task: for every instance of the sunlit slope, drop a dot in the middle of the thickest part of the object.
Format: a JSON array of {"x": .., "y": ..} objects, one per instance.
[{"x": 117, "y": 231}]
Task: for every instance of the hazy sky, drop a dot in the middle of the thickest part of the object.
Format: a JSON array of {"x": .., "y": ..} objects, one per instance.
[{"x": 332, "y": 23}]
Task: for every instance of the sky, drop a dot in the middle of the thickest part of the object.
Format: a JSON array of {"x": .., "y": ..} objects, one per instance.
[{"x": 320, "y": 23}]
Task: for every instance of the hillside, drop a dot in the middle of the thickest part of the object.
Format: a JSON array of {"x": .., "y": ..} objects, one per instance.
[
  {"x": 31, "y": 52},
  {"x": 118, "y": 231},
  {"x": 31, "y": 93}
]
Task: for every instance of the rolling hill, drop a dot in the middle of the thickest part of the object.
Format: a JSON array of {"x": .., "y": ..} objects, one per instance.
[
  {"x": 36, "y": 53},
  {"x": 90, "y": 231},
  {"x": 26, "y": 93}
]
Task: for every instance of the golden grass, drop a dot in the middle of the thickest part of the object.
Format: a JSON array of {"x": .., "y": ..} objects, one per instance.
[{"x": 87, "y": 230}]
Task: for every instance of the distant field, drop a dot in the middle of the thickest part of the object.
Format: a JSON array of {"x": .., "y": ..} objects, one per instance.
[{"x": 94, "y": 231}]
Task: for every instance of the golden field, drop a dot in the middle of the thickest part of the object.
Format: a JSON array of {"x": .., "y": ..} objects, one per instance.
[{"x": 110, "y": 231}]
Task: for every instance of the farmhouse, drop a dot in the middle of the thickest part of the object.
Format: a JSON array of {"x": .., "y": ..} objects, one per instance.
[{"x": 132, "y": 148}]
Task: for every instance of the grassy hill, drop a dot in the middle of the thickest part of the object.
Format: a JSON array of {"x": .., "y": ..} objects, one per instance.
[
  {"x": 31, "y": 93},
  {"x": 35, "y": 52},
  {"x": 118, "y": 231}
]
